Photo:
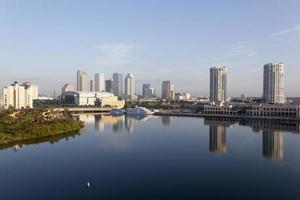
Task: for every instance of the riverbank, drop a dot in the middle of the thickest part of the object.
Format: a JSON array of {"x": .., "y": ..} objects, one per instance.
[{"x": 30, "y": 124}]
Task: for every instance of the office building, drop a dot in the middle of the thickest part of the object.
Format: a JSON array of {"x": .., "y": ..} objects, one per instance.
[
  {"x": 273, "y": 83},
  {"x": 82, "y": 81},
  {"x": 218, "y": 84},
  {"x": 147, "y": 91},
  {"x": 118, "y": 84},
  {"x": 99, "y": 82},
  {"x": 108, "y": 86},
  {"x": 130, "y": 87},
  {"x": 92, "y": 86},
  {"x": 166, "y": 90},
  {"x": 20, "y": 96},
  {"x": 68, "y": 88}
]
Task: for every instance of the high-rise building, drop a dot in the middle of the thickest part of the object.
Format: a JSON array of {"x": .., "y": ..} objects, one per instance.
[
  {"x": 82, "y": 81},
  {"x": 20, "y": 96},
  {"x": 68, "y": 88},
  {"x": 147, "y": 91},
  {"x": 166, "y": 90},
  {"x": 99, "y": 82},
  {"x": 130, "y": 87},
  {"x": 153, "y": 92},
  {"x": 108, "y": 86},
  {"x": 172, "y": 91},
  {"x": 273, "y": 145},
  {"x": 218, "y": 84},
  {"x": 273, "y": 86},
  {"x": 92, "y": 86},
  {"x": 118, "y": 84}
]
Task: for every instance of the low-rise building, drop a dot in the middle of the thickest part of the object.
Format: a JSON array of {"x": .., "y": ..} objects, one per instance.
[
  {"x": 274, "y": 111},
  {"x": 220, "y": 110},
  {"x": 99, "y": 99}
]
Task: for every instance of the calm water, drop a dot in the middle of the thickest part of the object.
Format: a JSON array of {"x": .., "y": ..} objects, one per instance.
[{"x": 157, "y": 158}]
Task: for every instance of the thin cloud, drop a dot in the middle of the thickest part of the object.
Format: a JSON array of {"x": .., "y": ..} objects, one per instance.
[
  {"x": 115, "y": 54},
  {"x": 285, "y": 31}
]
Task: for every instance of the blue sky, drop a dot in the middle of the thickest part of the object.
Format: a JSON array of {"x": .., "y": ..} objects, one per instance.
[{"x": 47, "y": 41}]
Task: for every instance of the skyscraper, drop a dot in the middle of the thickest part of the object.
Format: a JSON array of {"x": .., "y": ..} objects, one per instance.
[
  {"x": 147, "y": 91},
  {"x": 92, "y": 86},
  {"x": 118, "y": 84},
  {"x": 99, "y": 82},
  {"x": 166, "y": 90},
  {"x": 82, "y": 81},
  {"x": 108, "y": 86},
  {"x": 218, "y": 84},
  {"x": 130, "y": 86},
  {"x": 273, "y": 86}
]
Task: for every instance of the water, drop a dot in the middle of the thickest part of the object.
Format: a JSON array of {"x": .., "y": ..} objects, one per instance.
[{"x": 157, "y": 158}]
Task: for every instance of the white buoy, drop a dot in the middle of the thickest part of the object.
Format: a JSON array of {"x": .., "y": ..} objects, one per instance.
[{"x": 88, "y": 184}]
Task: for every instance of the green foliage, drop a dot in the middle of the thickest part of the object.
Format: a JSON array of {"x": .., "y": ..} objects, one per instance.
[{"x": 35, "y": 123}]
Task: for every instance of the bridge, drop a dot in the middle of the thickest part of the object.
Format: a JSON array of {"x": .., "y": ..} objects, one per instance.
[{"x": 84, "y": 109}]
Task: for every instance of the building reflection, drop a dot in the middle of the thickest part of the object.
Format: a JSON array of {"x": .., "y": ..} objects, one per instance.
[
  {"x": 217, "y": 134},
  {"x": 272, "y": 145},
  {"x": 99, "y": 123},
  {"x": 129, "y": 122},
  {"x": 166, "y": 120},
  {"x": 217, "y": 139}
]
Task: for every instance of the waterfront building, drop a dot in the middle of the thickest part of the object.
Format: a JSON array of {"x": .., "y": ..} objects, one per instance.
[
  {"x": 108, "y": 86},
  {"x": 118, "y": 84},
  {"x": 166, "y": 90},
  {"x": 130, "y": 87},
  {"x": 220, "y": 110},
  {"x": 20, "y": 96},
  {"x": 98, "y": 99},
  {"x": 92, "y": 86},
  {"x": 218, "y": 84},
  {"x": 273, "y": 83},
  {"x": 274, "y": 111},
  {"x": 82, "y": 81},
  {"x": 68, "y": 88},
  {"x": 99, "y": 82},
  {"x": 272, "y": 145}
]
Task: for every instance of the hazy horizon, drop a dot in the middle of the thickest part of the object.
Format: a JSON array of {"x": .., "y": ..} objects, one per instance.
[{"x": 46, "y": 42}]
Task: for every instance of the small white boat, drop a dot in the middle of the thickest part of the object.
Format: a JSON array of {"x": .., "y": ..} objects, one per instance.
[
  {"x": 139, "y": 111},
  {"x": 117, "y": 111}
]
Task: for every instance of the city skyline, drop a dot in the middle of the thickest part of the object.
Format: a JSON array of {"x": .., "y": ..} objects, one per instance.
[{"x": 100, "y": 39}]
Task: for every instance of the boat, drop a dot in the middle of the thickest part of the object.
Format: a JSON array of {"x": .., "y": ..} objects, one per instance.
[
  {"x": 139, "y": 111},
  {"x": 116, "y": 111}
]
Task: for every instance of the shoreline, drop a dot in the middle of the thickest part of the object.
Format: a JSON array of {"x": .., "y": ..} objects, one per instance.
[
  {"x": 228, "y": 116},
  {"x": 36, "y": 140}
]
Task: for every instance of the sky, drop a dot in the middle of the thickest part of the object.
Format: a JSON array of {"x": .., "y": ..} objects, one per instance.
[{"x": 46, "y": 42}]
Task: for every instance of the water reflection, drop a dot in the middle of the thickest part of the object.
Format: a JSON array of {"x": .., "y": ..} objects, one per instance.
[
  {"x": 272, "y": 131},
  {"x": 272, "y": 145},
  {"x": 217, "y": 134},
  {"x": 166, "y": 120}
]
